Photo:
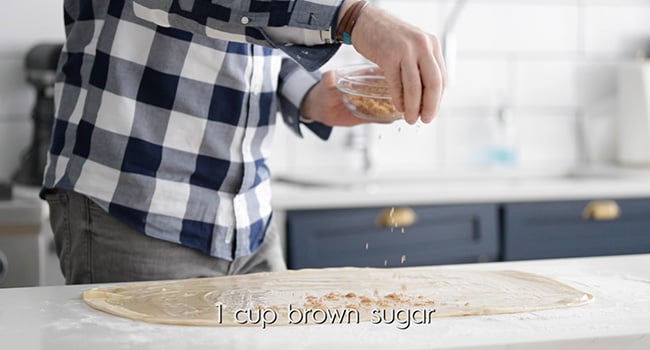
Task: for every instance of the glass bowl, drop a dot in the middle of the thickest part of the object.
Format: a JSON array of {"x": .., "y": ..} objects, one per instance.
[{"x": 365, "y": 93}]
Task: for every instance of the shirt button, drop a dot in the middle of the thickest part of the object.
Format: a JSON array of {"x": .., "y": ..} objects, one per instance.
[{"x": 245, "y": 20}]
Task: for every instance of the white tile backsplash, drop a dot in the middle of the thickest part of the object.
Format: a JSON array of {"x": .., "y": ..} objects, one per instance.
[
  {"x": 546, "y": 141},
  {"x": 423, "y": 14},
  {"x": 461, "y": 127},
  {"x": 24, "y": 24},
  {"x": 516, "y": 26},
  {"x": 400, "y": 148},
  {"x": 595, "y": 81},
  {"x": 478, "y": 82},
  {"x": 545, "y": 58},
  {"x": 27, "y": 22},
  {"x": 15, "y": 137},
  {"x": 16, "y": 95},
  {"x": 312, "y": 155},
  {"x": 550, "y": 60},
  {"x": 544, "y": 83},
  {"x": 620, "y": 30}
]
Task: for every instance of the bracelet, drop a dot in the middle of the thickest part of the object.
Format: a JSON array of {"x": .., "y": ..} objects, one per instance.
[{"x": 344, "y": 31}]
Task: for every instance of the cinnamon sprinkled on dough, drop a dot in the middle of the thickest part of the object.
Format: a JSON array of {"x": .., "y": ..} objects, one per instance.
[{"x": 351, "y": 295}]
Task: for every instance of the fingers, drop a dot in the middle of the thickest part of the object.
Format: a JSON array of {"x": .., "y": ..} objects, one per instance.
[
  {"x": 440, "y": 82},
  {"x": 329, "y": 79},
  {"x": 433, "y": 85},
  {"x": 430, "y": 94},
  {"x": 421, "y": 78},
  {"x": 418, "y": 83},
  {"x": 323, "y": 103},
  {"x": 394, "y": 79},
  {"x": 437, "y": 53},
  {"x": 412, "y": 91},
  {"x": 410, "y": 58}
]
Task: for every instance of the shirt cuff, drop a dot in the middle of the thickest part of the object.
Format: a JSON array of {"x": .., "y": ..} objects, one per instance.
[
  {"x": 306, "y": 37},
  {"x": 296, "y": 84}
]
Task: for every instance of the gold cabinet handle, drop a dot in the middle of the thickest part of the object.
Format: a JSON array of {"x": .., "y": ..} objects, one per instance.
[
  {"x": 604, "y": 210},
  {"x": 397, "y": 217}
]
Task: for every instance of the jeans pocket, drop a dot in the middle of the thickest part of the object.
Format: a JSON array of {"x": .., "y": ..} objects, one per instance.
[
  {"x": 54, "y": 196},
  {"x": 58, "y": 202}
]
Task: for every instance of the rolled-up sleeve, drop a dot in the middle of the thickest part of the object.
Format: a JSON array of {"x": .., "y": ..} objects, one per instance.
[
  {"x": 293, "y": 85},
  {"x": 301, "y": 28}
]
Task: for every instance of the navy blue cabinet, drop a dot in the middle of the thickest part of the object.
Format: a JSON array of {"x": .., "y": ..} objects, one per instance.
[
  {"x": 575, "y": 228},
  {"x": 364, "y": 236},
  {"x": 448, "y": 234}
]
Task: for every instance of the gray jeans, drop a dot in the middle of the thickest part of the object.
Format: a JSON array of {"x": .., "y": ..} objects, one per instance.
[{"x": 94, "y": 247}]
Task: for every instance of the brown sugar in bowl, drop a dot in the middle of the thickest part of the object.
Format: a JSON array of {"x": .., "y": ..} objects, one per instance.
[{"x": 365, "y": 93}]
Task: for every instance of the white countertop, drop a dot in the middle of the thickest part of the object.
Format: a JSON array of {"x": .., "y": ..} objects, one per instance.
[
  {"x": 619, "y": 318},
  {"x": 318, "y": 193}
]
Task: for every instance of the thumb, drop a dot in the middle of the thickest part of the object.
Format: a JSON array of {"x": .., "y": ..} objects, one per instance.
[{"x": 329, "y": 79}]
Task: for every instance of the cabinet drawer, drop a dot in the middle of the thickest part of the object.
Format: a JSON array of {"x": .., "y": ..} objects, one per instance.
[
  {"x": 560, "y": 229},
  {"x": 440, "y": 235}
]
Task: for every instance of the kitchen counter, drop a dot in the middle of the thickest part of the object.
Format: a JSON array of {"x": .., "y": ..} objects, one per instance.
[
  {"x": 619, "y": 318},
  {"x": 306, "y": 193}
]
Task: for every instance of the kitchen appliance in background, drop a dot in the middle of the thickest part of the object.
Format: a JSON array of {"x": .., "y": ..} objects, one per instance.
[
  {"x": 27, "y": 254},
  {"x": 634, "y": 114},
  {"x": 5, "y": 192},
  {"x": 40, "y": 68}
]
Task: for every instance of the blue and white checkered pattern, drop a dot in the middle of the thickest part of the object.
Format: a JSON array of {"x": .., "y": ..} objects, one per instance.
[{"x": 168, "y": 128}]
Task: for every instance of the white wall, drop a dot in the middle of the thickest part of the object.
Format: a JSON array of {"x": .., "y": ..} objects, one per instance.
[
  {"x": 23, "y": 24},
  {"x": 549, "y": 60}
]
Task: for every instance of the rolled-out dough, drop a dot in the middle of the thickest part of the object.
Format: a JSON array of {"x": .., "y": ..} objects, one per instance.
[{"x": 214, "y": 301}]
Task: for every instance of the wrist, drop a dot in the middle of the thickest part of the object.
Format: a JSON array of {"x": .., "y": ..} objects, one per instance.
[
  {"x": 306, "y": 120},
  {"x": 305, "y": 111},
  {"x": 349, "y": 13},
  {"x": 345, "y": 6}
]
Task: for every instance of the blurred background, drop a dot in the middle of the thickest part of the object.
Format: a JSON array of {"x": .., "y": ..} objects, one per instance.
[
  {"x": 533, "y": 86},
  {"x": 550, "y": 64}
]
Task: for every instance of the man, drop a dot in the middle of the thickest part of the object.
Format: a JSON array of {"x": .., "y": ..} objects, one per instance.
[{"x": 165, "y": 113}]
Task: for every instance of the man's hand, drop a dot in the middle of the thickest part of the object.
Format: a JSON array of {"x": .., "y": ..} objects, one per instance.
[
  {"x": 410, "y": 58},
  {"x": 323, "y": 103}
]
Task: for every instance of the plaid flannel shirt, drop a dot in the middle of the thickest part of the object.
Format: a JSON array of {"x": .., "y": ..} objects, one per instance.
[{"x": 165, "y": 110}]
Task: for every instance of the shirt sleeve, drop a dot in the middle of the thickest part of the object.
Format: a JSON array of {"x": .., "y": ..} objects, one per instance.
[
  {"x": 301, "y": 28},
  {"x": 293, "y": 85}
]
